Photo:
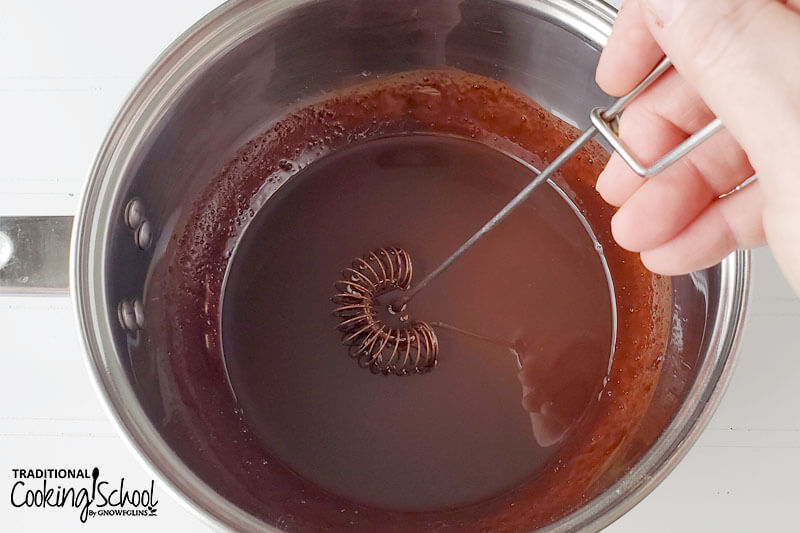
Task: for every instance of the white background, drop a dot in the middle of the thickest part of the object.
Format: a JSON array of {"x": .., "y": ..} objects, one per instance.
[{"x": 65, "y": 68}]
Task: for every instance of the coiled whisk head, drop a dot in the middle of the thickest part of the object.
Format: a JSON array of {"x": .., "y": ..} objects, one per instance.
[{"x": 372, "y": 343}]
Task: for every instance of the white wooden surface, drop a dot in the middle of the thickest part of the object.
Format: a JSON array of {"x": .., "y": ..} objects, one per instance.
[{"x": 65, "y": 68}]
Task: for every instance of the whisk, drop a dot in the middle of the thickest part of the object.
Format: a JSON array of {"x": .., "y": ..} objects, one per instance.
[
  {"x": 415, "y": 348},
  {"x": 409, "y": 348},
  {"x": 372, "y": 343}
]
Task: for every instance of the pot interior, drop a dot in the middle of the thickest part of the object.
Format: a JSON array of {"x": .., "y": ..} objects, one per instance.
[{"x": 249, "y": 66}]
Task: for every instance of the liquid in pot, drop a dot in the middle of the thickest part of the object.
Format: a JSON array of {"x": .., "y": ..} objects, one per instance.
[{"x": 475, "y": 426}]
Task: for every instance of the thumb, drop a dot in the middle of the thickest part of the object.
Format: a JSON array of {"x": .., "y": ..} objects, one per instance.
[{"x": 743, "y": 57}]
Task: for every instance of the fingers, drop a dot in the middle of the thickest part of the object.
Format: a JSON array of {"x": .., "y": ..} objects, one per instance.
[
  {"x": 664, "y": 205},
  {"x": 655, "y": 210},
  {"x": 741, "y": 56},
  {"x": 630, "y": 54},
  {"x": 729, "y": 223},
  {"x": 659, "y": 208}
]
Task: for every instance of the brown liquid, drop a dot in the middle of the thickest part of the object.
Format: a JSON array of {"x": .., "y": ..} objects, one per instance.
[
  {"x": 458, "y": 434},
  {"x": 181, "y": 372}
]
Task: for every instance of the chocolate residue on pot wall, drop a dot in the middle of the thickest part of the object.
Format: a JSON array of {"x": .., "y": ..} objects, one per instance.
[{"x": 201, "y": 419}]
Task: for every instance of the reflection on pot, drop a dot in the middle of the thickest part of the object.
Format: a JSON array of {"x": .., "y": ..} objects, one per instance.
[{"x": 556, "y": 400}]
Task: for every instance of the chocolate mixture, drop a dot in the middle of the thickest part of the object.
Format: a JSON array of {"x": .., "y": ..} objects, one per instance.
[{"x": 261, "y": 396}]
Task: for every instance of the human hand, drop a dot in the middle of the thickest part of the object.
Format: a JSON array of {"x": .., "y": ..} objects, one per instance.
[{"x": 738, "y": 60}]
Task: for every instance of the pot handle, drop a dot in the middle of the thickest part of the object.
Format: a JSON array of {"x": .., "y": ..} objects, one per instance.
[{"x": 34, "y": 255}]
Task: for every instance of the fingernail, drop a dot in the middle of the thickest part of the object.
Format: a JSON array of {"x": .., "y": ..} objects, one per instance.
[{"x": 664, "y": 11}]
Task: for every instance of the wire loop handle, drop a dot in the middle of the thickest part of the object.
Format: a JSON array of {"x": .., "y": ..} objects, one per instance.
[{"x": 606, "y": 120}]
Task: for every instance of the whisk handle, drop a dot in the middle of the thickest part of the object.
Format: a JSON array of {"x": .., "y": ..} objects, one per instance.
[{"x": 605, "y": 119}]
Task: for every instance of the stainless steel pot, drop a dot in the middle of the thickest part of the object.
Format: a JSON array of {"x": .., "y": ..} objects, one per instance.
[{"x": 238, "y": 70}]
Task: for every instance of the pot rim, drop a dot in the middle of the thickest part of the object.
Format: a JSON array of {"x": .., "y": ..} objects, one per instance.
[{"x": 178, "y": 65}]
